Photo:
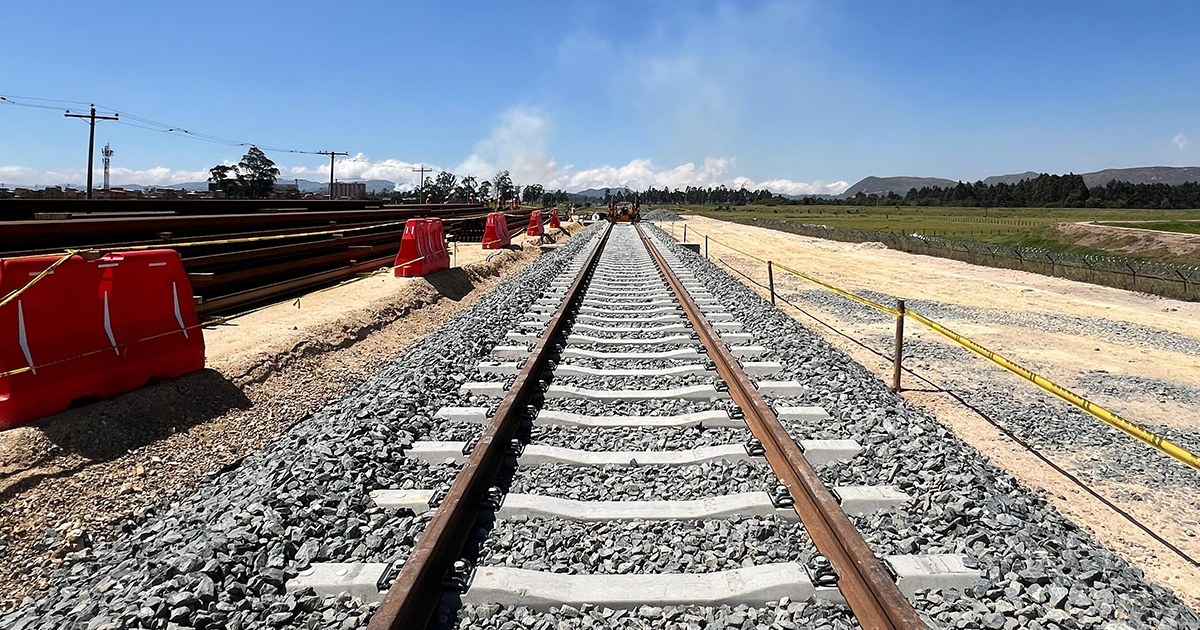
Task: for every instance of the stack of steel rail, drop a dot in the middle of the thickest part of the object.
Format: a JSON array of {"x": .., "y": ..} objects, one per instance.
[
  {"x": 628, "y": 303},
  {"x": 238, "y": 253}
]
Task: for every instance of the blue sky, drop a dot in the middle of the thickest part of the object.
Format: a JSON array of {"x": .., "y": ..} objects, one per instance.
[{"x": 797, "y": 96}]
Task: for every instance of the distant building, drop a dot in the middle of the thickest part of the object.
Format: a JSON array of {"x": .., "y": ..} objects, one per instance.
[
  {"x": 118, "y": 193},
  {"x": 348, "y": 190},
  {"x": 56, "y": 192}
]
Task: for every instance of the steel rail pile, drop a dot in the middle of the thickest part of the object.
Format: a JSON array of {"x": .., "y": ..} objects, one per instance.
[{"x": 254, "y": 251}]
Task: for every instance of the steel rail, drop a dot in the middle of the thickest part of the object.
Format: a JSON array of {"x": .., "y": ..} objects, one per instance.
[
  {"x": 207, "y": 283},
  {"x": 413, "y": 597},
  {"x": 868, "y": 588},
  {"x": 204, "y": 262},
  {"x": 256, "y": 295},
  {"x": 28, "y": 209},
  {"x": 96, "y": 228}
]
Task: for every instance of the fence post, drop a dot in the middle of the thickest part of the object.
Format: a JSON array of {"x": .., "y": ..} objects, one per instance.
[
  {"x": 684, "y": 232},
  {"x": 771, "y": 280},
  {"x": 898, "y": 351},
  {"x": 706, "y": 246}
]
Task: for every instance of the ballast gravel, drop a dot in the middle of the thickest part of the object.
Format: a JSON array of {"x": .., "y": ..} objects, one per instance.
[
  {"x": 559, "y": 546},
  {"x": 643, "y": 483},
  {"x": 637, "y": 439},
  {"x": 784, "y": 614}
]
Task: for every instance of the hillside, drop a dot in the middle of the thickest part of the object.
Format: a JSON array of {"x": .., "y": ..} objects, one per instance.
[
  {"x": 1173, "y": 175},
  {"x": 898, "y": 185}
]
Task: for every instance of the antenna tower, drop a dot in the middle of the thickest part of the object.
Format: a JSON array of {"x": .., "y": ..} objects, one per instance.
[{"x": 107, "y": 153}]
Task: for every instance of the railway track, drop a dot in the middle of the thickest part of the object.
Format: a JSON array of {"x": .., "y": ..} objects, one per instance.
[
  {"x": 624, "y": 343},
  {"x": 640, "y": 491}
]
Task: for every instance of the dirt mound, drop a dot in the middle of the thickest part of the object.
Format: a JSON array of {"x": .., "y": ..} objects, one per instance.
[
  {"x": 869, "y": 245},
  {"x": 1129, "y": 240}
]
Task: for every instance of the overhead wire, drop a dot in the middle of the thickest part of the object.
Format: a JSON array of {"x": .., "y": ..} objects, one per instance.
[{"x": 148, "y": 124}]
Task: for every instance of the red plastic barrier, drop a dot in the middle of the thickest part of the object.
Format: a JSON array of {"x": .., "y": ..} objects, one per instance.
[
  {"x": 93, "y": 329},
  {"x": 554, "y": 218},
  {"x": 495, "y": 235},
  {"x": 422, "y": 249},
  {"x": 535, "y": 223}
]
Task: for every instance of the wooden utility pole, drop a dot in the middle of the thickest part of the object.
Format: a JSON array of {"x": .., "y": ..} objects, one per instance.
[
  {"x": 91, "y": 118},
  {"x": 332, "y": 155},
  {"x": 422, "y": 171}
]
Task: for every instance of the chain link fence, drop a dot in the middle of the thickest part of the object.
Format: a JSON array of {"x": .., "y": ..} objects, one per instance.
[{"x": 1134, "y": 274}]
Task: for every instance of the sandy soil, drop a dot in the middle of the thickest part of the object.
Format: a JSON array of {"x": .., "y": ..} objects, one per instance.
[
  {"x": 1131, "y": 240},
  {"x": 1062, "y": 355},
  {"x": 69, "y": 480}
]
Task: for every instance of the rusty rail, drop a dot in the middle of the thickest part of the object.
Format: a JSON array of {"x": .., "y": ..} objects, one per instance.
[
  {"x": 869, "y": 590},
  {"x": 414, "y": 595}
]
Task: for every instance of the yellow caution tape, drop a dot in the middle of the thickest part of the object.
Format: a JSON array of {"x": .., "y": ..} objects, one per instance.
[
  {"x": 1161, "y": 444},
  {"x": 1129, "y": 428}
]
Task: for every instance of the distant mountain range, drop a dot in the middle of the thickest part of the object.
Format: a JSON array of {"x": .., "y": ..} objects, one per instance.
[
  {"x": 899, "y": 185},
  {"x": 1173, "y": 175}
]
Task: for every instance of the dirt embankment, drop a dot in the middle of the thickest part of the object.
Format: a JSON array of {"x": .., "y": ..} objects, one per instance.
[
  {"x": 65, "y": 480},
  {"x": 1129, "y": 240}
]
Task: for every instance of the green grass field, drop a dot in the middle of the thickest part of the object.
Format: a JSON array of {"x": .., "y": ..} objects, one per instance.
[{"x": 1029, "y": 227}]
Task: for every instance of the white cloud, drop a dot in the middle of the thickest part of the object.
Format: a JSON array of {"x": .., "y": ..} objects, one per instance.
[
  {"x": 1180, "y": 141},
  {"x": 156, "y": 176},
  {"x": 789, "y": 187},
  {"x": 519, "y": 143},
  {"x": 361, "y": 167}
]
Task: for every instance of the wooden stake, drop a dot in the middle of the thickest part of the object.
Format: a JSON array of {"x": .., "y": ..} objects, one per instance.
[
  {"x": 771, "y": 280},
  {"x": 898, "y": 352}
]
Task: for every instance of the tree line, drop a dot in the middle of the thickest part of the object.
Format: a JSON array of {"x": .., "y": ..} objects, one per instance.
[
  {"x": 254, "y": 176},
  {"x": 1043, "y": 191}
]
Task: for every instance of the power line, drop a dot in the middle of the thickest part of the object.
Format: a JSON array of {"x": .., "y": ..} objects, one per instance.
[{"x": 148, "y": 124}]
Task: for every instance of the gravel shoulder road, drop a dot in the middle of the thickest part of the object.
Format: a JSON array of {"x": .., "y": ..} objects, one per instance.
[
  {"x": 74, "y": 479},
  {"x": 1136, "y": 354}
]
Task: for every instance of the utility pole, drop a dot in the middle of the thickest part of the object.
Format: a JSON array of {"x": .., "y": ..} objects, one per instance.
[
  {"x": 332, "y": 155},
  {"x": 91, "y": 118},
  {"x": 422, "y": 171},
  {"x": 107, "y": 152}
]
